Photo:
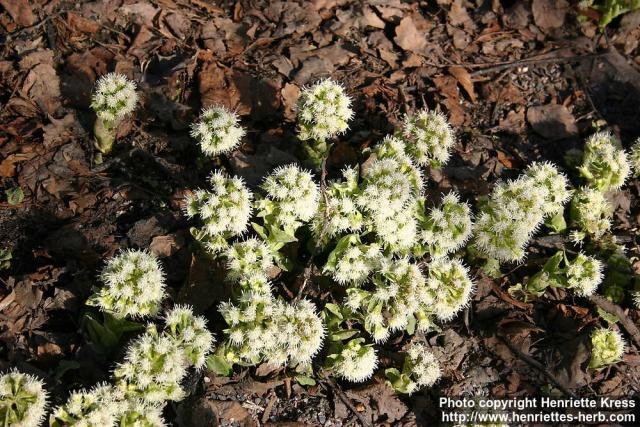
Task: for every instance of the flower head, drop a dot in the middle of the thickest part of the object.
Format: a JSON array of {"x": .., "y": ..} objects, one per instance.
[
  {"x": 450, "y": 285},
  {"x": 153, "y": 368},
  {"x": 114, "y": 98},
  {"x": 351, "y": 261},
  {"x": 291, "y": 197},
  {"x": 248, "y": 258},
  {"x": 356, "y": 361},
  {"x": 546, "y": 175},
  {"x": 446, "y": 228},
  {"x": 23, "y": 399},
  {"x": 217, "y": 131},
  {"x": 97, "y": 407},
  {"x": 604, "y": 164},
  {"x": 397, "y": 233},
  {"x": 590, "y": 213},
  {"x": 133, "y": 285},
  {"x": 584, "y": 274},
  {"x": 225, "y": 209},
  {"x": 338, "y": 211},
  {"x": 324, "y": 111},
  {"x": 138, "y": 413},
  {"x": 429, "y": 137},
  {"x": 607, "y": 348},
  {"x": 191, "y": 334}
]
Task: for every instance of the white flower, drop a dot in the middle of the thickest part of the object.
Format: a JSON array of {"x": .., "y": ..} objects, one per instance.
[
  {"x": 604, "y": 164},
  {"x": 154, "y": 366},
  {"x": 397, "y": 233},
  {"x": 291, "y": 197},
  {"x": 133, "y": 285},
  {"x": 351, "y": 261},
  {"x": 429, "y": 137},
  {"x": 225, "y": 210},
  {"x": 591, "y": 213},
  {"x": 545, "y": 174},
  {"x": 248, "y": 258},
  {"x": 98, "y": 407},
  {"x": 324, "y": 111},
  {"x": 447, "y": 228},
  {"x": 584, "y": 274},
  {"x": 356, "y": 361},
  {"x": 23, "y": 399},
  {"x": 191, "y": 334},
  {"x": 451, "y": 287},
  {"x": 114, "y": 98},
  {"x": 607, "y": 347},
  {"x": 338, "y": 210},
  {"x": 422, "y": 366},
  {"x": 138, "y": 413},
  {"x": 217, "y": 131}
]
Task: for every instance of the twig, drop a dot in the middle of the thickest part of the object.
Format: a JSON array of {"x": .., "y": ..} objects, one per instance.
[
  {"x": 534, "y": 363},
  {"x": 36, "y": 26},
  {"x": 614, "y": 309},
  {"x": 535, "y": 61},
  {"x": 269, "y": 408},
  {"x": 329, "y": 383}
]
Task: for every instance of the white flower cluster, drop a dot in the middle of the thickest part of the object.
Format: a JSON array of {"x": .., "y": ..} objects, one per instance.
[
  {"x": 386, "y": 189},
  {"x": 338, "y": 211},
  {"x": 604, "y": 164},
  {"x": 97, "y": 407},
  {"x": 156, "y": 362},
  {"x": 23, "y": 400},
  {"x": 324, "y": 111},
  {"x": 291, "y": 197},
  {"x": 447, "y": 228},
  {"x": 190, "y": 333},
  {"x": 351, "y": 262},
  {"x": 248, "y": 259},
  {"x": 217, "y": 131},
  {"x": 133, "y": 285},
  {"x": 584, "y": 274},
  {"x": 517, "y": 208},
  {"x": 355, "y": 361},
  {"x": 106, "y": 406},
  {"x": 397, "y": 233},
  {"x": 607, "y": 347},
  {"x": 591, "y": 213},
  {"x": 420, "y": 369},
  {"x": 114, "y": 98},
  {"x": 262, "y": 328},
  {"x": 429, "y": 137},
  {"x": 634, "y": 158},
  {"x": 450, "y": 286},
  {"x": 225, "y": 210}
]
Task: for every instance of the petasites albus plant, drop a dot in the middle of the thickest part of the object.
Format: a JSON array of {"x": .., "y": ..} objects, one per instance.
[{"x": 23, "y": 400}]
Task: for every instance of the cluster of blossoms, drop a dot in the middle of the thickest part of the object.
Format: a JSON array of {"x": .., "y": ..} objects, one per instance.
[
  {"x": 583, "y": 274},
  {"x": 590, "y": 214},
  {"x": 224, "y": 210},
  {"x": 447, "y": 228},
  {"x": 420, "y": 369},
  {"x": 338, "y": 210},
  {"x": 607, "y": 347},
  {"x": 351, "y": 262},
  {"x": 249, "y": 258},
  {"x": 263, "y": 328},
  {"x": 114, "y": 99},
  {"x": 429, "y": 137},
  {"x": 324, "y": 111},
  {"x": 133, "y": 285},
  {"x": 291, "y": 198},
  {"x": 105, "y": 405},
  {"x": 354, "y": 361},
  {"x": 450, "y": 287},
  {"x": 217, "y": 131},
  {"x": 604, "y": 164},
  {"x": 517, "y": 208},
  {"x": 23, "y": 400}
]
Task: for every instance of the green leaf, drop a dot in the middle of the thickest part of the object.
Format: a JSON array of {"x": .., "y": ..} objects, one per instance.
[
  {"x": 98, "y": 333},
  {"x": 15, "y": 196},
  {"x": 557, "y": 223},
  {"x": 343, "y": 335},
  {"x": 279, "y": 236},
  {"x": 64, "y": 366},
  {"x": 334, "y": 309},
  {"x": 219, "y": 365},
  {"x": 608, "y": 317},
  {"x": 305, "y": 380},
  {"x": 260, "y": 230},
  {"x": 121, "y": 326},
  {"x": 411, "y": 325}
]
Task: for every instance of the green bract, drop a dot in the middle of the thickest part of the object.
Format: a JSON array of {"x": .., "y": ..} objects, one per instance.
[{"x": 22, "y": 400}]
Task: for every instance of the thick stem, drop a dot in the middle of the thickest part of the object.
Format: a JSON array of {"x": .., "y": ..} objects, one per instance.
[
  {"x": 316, "y": 152},
  {"x": 105, "y": 134}
]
